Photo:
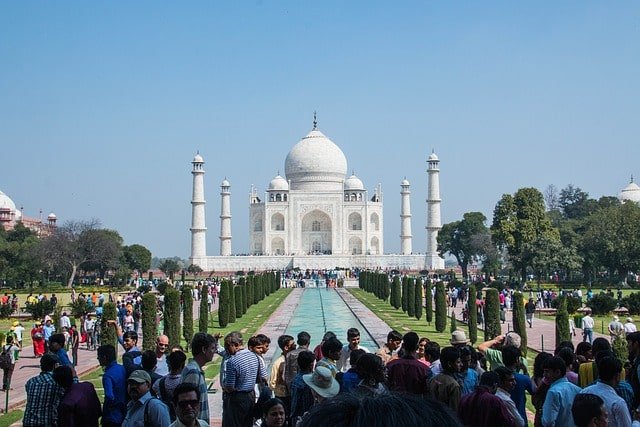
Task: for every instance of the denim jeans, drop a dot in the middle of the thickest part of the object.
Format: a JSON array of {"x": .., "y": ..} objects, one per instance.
[{"x": 587, "y": 335}]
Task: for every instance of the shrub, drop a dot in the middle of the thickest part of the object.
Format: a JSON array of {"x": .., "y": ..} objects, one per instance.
[
  {"x": 602, "y": 304},
  {"x": 5, "y": 311},
  {"x": 223, "y": 304},
  {"x": 492, "y": 315},
  {"x": 203, "y": 320},
  {"x": 231, "y": 304},
  {"x": 80, "y": 307},
  {"x": 149, "y": 324},
  {"x": 187, "y": 314},
  {"x": 411, "y": 297},
  {"x": 396, "y": 292},
  {"x": 632, "y": 302},
  {"x": 573, "y": 303},
  {"x": 519, "y": 321},
  {"x": 405, "y": 292},
  {"x": 249, "y": 291},
  {"x": 441, "y": 308},
  {"x": 243, "y": 288},
  {"x": 238, "y": 300},
  {"x": 419, "y": 298},
  {"x": 109, "y": 334},
  {"x": 172, "y": 315},
  {"x": 562, "y": 322},
  {"x": 40, "y": 309},
  {"x": 473, "y": 315},
  {"x": 454, "y": 322},
  {"x": 620, "y": 349},
  {"x": 428, "y": 299}
]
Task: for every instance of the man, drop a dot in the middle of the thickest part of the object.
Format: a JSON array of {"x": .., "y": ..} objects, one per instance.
[
  {"x": 165, "y": 386},
  {"x": 132, "y": 356},
  {"x": 186, "y": 400},
  {"x": 587, "y": 327},
  {"x": 353, "y": 339},
  {"x": 444, "y": 387},
  {"x": 143, "y": 409},
  {"x": 65, "y": 322},
  {"x": 48, "y": 329},
  {"x": 530, "y": 310},
  {"x": 243, "y": 369},
  {"x": 615, "y": 328},
  {"x": 511, "y": 359},
  {"x": 43, "y": 395},
  {"x": 162, "y": 345},
  {"x": 276, "y": 378},
  {"x": 505, "y": 387},
  {"x": 483, "y": 408},
  {"x": 291, "y": 360},
  {"x": 609, "y": 369},
  {"x": 331, "y": 351},
  {"x": 588, "y": 410},
  {"x": 203, "y": 349},
  {"x": 318, "y": 349},
  {"x": 114, "y": 383},
  {"x": 388, "y": 351},
  {"x": 468, "y": 375},
  {"x": 629, "y": 326},
  {"x": 148, "y": 364},
  {"x": 301, "y": 396},
  {"x": 556, "y": 410},
  {"x": 492, "y": 350},
  {"x": 407, "y": 374},
  {"x": 56, "y": 346},
  {"x": 89, "y": 328},
  {"x": 80, "y": 405}
]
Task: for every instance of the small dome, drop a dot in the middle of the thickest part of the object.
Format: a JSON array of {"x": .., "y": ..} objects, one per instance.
[
  {"x": 353, "y": 183},
  {"x": 405, "y": 182},
  {"x": 433, "y": 157},
  {"x": 198, "y": 159},
  {"x": 630, "y": 192},
  {"x": 52, "y": 216},
  {"x": 7, "y": 203},
  {"x": 225, "y": 183},
  {"x": 278, "y": 184}
]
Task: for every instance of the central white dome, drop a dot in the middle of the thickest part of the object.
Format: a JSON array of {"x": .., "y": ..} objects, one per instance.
[
  {"x": 316, "y": 163},
  {"x": 7, "y": 203}
]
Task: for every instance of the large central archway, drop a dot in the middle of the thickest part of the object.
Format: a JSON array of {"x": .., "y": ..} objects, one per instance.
[{"x": 316, "y": 233}]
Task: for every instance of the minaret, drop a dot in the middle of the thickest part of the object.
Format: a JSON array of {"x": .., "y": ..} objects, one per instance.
[
  {"x": 198, "y": 224},
  {"x": 433, "y": 261},
  {"x": 225, "y": 218},
  {"x": 405, "y": 218}
]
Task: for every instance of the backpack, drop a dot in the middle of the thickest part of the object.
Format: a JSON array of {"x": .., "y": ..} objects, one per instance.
[
  {"x": 5, "y": 358},
  {"x": 164, "y": 397}
]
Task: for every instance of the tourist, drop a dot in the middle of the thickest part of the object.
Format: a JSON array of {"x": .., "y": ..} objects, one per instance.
[
  {"x": 318, "y": 350},
  {"x": 132, "y": 356},
  {"x": 353, "y": 343},
  {"x": 143, "y": 409},
  {"x": 615, "y": 328},
  {"x": 491, "y": 350},
  {"x": 432, "y": 356},
  {"x": 162, "y": 345},
  {"x": 18, "y": 331},
  {"x": 587, "y": 371},
  {"x": 114, "y": 383},
  {"x": 530, "y": 310},
  {"x": 203, "y": 349},
  {"x": 483, "y": 408},
  {"x": 322, "y": 383},
  {"x": 540, "y": 385},
  {"x": 569, "y": 358},
  {"x": 243, "y": 369},
  {"x": 444, "y": 387},
  {"x": 421, "y": 355},
  {"x": 523, "y": 383},
  {"x": 80, "y": 405},
  {"x": 74, "y": 338},
  {"x": 388, "y": 351},
  {"x": 406, "y": 374},
  {"x": 291, "y": 359},
  {"x": 273, "y": 413},
  {"x": 505, "y": 388},
  {"x": 89, "y": 328},
  {"x": 186, "y": 401},
  {"x": 587, "y": 327},
  {"x": 164, "y": 388},
  {"x": 371, "y": 369},
  {"x": 9, "y": 350},
  {"x": 331, "y": 350},
  {"x": 629, "y": 326},
  {"x": 301, "y": 397},
  {"x": 349, "y": 380},
  {"x": 468, "y": 375},
  {"x": 48, "y": 329},
  {"x": 588, "y": 410},
  {"x": 148, "y": 364},
  {"x": 56, "y": 346},
  {"x": 556, "y": 410},
  {"x": 43, "y": 396},
  {"x": 276, "y": 377}
]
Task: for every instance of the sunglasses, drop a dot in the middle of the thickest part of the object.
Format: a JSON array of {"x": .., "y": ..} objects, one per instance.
[
  {"x": 163, "y": 345},
  {"x": 193, "y": 403}
]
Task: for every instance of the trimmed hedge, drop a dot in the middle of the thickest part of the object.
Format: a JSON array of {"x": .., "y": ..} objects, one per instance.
[
  {"x": 441, "y": 308},
  {"x": 411, "y": 297},
  {"x": 203, "y": 320},
  {"x": 562, "y": 322},
  {"x": 172, "y": 316},
  {"x": 149, "y": 323},
  {"x": 237, "y": 290},
  {"x": 231, "y": 304},
  {"x": 473, "y": 315},
  {"x": 519, "y": 321},
  {"x": 396, "y": 292},
  {"x": 428, "y": 298},
  {"x": 187, "y": 315},
  {"x": 492, "y": 315},
  {"x": 405, "y": 293},
  {"x": 109, "y": 334},
  {"x": 419, "y": 298},
  {"x": 454, "y": 322}
]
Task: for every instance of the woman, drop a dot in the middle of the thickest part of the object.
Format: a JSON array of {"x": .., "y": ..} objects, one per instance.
[
  {"x": 371, "y": 369},
  {"x": 37, "y": 336},
  {"x": 273, "y": 413},
  {"x": 420, "y": 355}
]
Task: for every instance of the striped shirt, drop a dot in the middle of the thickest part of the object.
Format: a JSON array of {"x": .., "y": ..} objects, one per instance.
[
  {"x": 242, "y": 371},
  {"x": 193, "y": 374}
]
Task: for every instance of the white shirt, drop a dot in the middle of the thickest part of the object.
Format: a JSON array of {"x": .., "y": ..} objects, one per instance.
[
  {"x": 587, "y": 322},
  {"x": 161, "y": 366},
  {"x": 343, "y": 363},
  {"x": 630, "y": 327},
  {"x": 510, "y": 405},
  {"x": 65, "y": 322},
  {"x": 616, "y": 406}
]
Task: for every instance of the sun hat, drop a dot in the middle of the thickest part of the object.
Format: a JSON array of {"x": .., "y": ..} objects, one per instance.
[
  {"x": 458, "y": 337},
  {"x": 140, "y": 376},
  {"x": 322, "y": 381},
  {"x": 16, "y": 323},
  {"x": 615, "y": 318},
  {"x": 629, "y": 319}
]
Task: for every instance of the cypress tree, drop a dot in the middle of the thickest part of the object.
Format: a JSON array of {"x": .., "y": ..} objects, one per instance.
[
  {"x": 223, "y": 306},
  {"x": 419, "y": 298},
  {"x": 411, "y": 297},
  {"x": 149, "y": 324},
  {"x": 232, "y": 302},
  {"x": 172, "y": 315},
  {"x": 519, "y": 322},
  {"x": 203, "y": 321},
  {"x": 257, "y": 282},
  {"x": 187, "y": 315},
  {"x": 109, "y": 333},
  {"x": 492, "y": 315},
  {"x": 387, "y": 286},
  {"x": 278, "y": 280},
  {"x": 562, "y": 322},
  {"x": 473, "y": 315},
  {"x": 454, "y": 322},
  {"x": 441, "y": 308},
  {"x": 405, "y": 292},
  {"x": 396, "y": 292},
  {"x": 428, "y": 299},
  {"x": 243, "y": 287},
  {"x": 249, "y": 291},
  {"x": 238, "y": 300}
]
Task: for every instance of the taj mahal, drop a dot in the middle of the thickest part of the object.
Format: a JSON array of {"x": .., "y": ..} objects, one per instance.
[{"x": 315, "y": 217}]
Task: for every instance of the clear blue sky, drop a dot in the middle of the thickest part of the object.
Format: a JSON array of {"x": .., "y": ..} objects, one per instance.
[{"x": 104, "y": 104}]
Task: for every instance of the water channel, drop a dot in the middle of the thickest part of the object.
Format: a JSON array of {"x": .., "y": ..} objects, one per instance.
[{"x": 322, "y": 309}]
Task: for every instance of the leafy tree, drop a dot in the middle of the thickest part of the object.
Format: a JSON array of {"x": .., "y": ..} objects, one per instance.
[
  {"x": 441, "y": 307},
  {"x": 562, "y": 322},
  {"x": 80, "y": 307},
  {"x": 602, "y": 304},
  {"x": 552, "y": 198},
  {"x": 19, "y": 255},
  {"x": 573, "y": 303},
  {"x": 473, "y": 315},
  {"x": 203, "y": 321},
  {"x": 187, "y": 314},
  {"x": 419, "y": 298},
  {"x": 574, "y": 202},
  {"x": 519, "y": 321},
  {"x": 137, "y": 258},
  {"x": 194, "y": 269},
  {"x": 109, "y": 334},
  {"x": 39, "y": 309},
  {"x": 457, "y": 239},
  {"x": 172, "y": 315},
  {"x": 428, "y": 298},
  {"x": 169, "y": 267},
  {"x": 411, "y": 297},
  {"x": 149, "y": 323},
  {"x": 492, "y": 315}
]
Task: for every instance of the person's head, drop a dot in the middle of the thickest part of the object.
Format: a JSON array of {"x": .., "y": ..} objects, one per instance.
[
  {"x": 609, "y": 369},
  {"x": 353, "y": 337},
  {"x": 138, "y": 384},
  {"x": 305, "y": 361},
  {"x": 331, "y": 348},
  {"x": 588, "y": 410},
  {"x": 370, "y": 368},
  {"x": 106, "y": 354},
  {"x": 490, "y": 380},
  {"x": 64, "y": 313},
  {"x": 432, "y": 351},
  {"x": 322, "y": 384},
  {"x": 129, "y": 340},
  {"x": 327, "y": 335},
  {"x": 304, "y": 339},
  {"x": 584, "y": 349},
  {"x": 564, "y": 344},
  {"x": 149, "y": 360},
  {"x": 507, "y": 378},
  {"x": 567, "y": 355},
  {"x": 355, "y": 356},
  {"x": 466, "y": 357},
  {"x": 410, "y": 342},
  {"x": 273, "y": 414},
  {"x": 393, "y": 340},
  {"x": 600, "y": 344},
  {"x": 162, "y": 345},
  {"x": 47, "y": 322},
  {"x": 450, "y": 360},
  {"x": 262, "y": 344},
  {"x": 9, "y": 339},
  {"x": 538, "y": 364},
  {"x": 186, "y": 401},
  {"x": 633, "y": 345},
  {"x": 512, "y": 338},
  {"x": 458, "y": 339},
  {"x": 511, "y": 357},
  {"x": 56, "y": 342},
  {"x": 554, "y": 369},
  {"x": 421, "y": 345},
  {"x": 233, "y": 342},
  {"x": 176, "y": 361},
  {"x": 63, "y": 375},
  {"x": 203, "y": 347},
  {"x": 286, "y": 343}
]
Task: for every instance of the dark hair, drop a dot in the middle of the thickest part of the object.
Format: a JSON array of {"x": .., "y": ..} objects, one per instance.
[
  {"x": 148, "y": 361},
  {"x": 489, "y": 379},
  {"x": 608, "y": 367},
  {"x": 184, "y": 388},
  {"x": 600, "y": 344},
  {"x": 63, "y": 375},
  {"x": 200, "y": 342},
  {"x": 394, "y": 336},
  {"x": 262, "y": 339},
  {"x": 107, "y": 352},
  {"x": 328, "y": 335},
  {"x": 564, "y": 344},
  {"x": 448, "y": 355},
  {"x": 304, "y": 338},
  {"x": 331, "y": 346},
  {"x": 432, "y": 349},
  {"x": 511, "y": 355},
  {"x": 48, "y": 362},
  {"x": 567, "y": 355},
  {"x": 370, "y": 368},
  {"x": 266, "y": 406},
  {"x": 503, "y": 372},
  {"x": 176, "y": 360},
  {"x": 131, "y": 335},
  {"x": 586, "y": 406},
  {"x": 58, "y": 339},
  {"x": 583, "y": 348},
  {"x": 410, "y": 341},
  {"x": 634, "y": 336},
  {"x": 283, "y": 340},
  {"x": 538, "y": 363},
  {"x": 355, "y": 356},
  {"x": 352, "y": 333},
  {"x": 386, "y": 409},
  {"x": 556, "y": 363},
  {"x": 305, "y": 361}
]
